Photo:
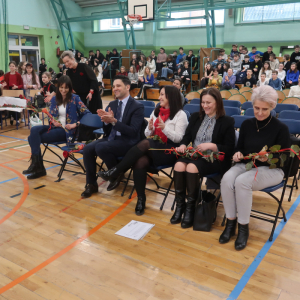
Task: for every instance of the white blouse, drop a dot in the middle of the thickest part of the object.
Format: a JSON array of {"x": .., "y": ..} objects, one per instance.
[
  {"x": 268, "y": 74},
  {"x": 281, "y": 75},
  {"x": 62, "y": 115},
  {"x": 174, "y": 129}
]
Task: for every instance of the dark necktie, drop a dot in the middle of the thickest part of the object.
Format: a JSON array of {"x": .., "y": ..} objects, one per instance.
[{"x": 113, "y": 132}]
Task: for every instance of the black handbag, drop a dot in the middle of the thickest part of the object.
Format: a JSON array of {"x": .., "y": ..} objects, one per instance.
[{"x": 205, "y": 212}]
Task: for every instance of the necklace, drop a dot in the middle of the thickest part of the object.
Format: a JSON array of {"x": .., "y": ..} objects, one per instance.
[{"x": 263, "y": 126}]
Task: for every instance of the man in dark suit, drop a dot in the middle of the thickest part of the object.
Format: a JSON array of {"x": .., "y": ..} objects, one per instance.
[{"x": 122, "y": 125}]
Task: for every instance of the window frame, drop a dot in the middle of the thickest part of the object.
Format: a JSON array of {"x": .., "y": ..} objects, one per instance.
[{"x": 238, "y": 18}]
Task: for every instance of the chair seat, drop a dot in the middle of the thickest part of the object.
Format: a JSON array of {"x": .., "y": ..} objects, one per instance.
[
  {"x": 273, "y": 188},
  {"x": 71, "y": 147},
  {"x": 164, "y": 167},
  {"x": 212, "y": 175},
  {"x": 98, "y": 131}
]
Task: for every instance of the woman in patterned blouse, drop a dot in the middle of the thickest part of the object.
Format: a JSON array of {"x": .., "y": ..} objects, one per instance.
[{"x": 208, "y": 130}]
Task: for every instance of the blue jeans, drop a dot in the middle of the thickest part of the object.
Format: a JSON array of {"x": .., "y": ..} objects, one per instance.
[
  {"x": 165, "y": 72},
  {"x": 40, "y": 134}
]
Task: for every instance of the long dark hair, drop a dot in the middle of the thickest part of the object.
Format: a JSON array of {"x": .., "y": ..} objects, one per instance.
[
  {"x": 173, "y": 95},
  {"x": 215, "y": 93},
  {"x": 67, "y": 81},
  {"x": 32, "y": 73}
]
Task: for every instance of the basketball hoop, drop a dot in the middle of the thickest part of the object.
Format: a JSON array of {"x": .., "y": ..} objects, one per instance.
[{"x": 133, "y": 19}]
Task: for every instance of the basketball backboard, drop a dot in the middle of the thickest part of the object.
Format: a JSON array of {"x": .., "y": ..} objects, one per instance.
[{"x": 145, "y": 8}]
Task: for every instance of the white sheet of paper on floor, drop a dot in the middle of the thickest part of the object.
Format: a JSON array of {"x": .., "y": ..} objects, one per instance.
[{"x": 135, "y": 230}]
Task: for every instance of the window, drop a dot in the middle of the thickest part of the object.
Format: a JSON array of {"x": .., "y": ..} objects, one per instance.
[
  {"x": 268, "y": 13},
  {"x": 219, "y": 19},
  {"x": 114, "y": 25}
]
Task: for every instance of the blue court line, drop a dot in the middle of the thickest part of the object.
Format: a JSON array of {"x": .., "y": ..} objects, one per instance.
[
  {"x": 13, "y": 138},
  {"x": 262, "y": 253},
  {"x": 28, "y": 174}
]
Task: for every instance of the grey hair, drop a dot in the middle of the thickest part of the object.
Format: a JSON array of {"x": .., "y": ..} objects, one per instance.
[
  {"x": 67, "y": 53},
  {"x": 265, "y": 93}
]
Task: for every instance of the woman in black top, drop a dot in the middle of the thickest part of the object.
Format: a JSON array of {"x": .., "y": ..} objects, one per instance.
[
  {"x": 208, "y": 130},
  {"x": 42, "y": 69},
  {"x": 99, "y": 57},
  {"x": 84, "y": 81},
  {"x": 238, "y": 184}
]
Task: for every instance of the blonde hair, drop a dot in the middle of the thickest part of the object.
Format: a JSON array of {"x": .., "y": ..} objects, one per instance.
[
  {"x": 48, "y": 74},
  {"x": 145, "y": 74},
  {"x": 265, "y": 93}
]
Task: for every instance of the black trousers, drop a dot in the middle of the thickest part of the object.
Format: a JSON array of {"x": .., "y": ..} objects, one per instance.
[{"x": 108, "y": 151}]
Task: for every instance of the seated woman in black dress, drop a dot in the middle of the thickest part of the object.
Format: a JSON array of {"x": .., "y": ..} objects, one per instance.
[
  {"x": 208, "y": 130},
  {"x": 68, "y": 109},
  {"x": 168, "y": 121}
]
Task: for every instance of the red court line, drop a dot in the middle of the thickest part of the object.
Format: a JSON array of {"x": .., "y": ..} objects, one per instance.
[
  {"x": 65, "y": 250},
  {"x": 2, "y": 164},
  {"x": 24, "y": 195}
]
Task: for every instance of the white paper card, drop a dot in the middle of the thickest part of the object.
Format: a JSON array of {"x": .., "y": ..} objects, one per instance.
[{"x": 135, "y": 230}]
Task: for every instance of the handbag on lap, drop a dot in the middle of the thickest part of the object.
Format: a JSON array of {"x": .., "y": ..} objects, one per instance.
[{"x": 205, "y": 212}]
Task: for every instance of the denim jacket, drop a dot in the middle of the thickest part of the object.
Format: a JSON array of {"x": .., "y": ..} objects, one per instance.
[{"x": 74, "y": 112}]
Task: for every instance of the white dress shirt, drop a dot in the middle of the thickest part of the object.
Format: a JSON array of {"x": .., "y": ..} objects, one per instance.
[{"x": 174, "y": 129}]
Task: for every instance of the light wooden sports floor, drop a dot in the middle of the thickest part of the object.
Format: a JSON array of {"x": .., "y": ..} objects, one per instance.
[{"x": 56, "y": 245}]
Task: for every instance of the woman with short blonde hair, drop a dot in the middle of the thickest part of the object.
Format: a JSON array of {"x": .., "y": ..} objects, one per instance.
[{"x": 238, "y": 184}]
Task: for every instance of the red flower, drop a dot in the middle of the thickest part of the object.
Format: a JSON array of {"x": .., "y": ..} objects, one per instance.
[
  {"x": 81, "y": 74},
  {"x": 221, "y": 157},
  {"x": 65, "y": 154}
]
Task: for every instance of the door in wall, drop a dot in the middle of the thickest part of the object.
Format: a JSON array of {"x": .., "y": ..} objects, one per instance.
[{"x": 31, "y": 56}]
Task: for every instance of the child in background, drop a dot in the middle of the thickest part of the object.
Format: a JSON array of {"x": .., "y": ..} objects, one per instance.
[
  {"x": 22, "y": 67},
  {"x": 226, "y": 66},
  {"x": 274, "y": 62},
  {"x": 208, "y": 72},
  {"x": 253, "y": 53},
  {"x": 267, "y": 70},
  {"x": 169, "y": 68},
  {"x": 250, "y": 80},
  {"x": 236, "y": 64},
  {"x": 256, "y": 65},
  {"x": 292, "y": 76},
  {"x": 281, "y": 74},
  {"x": 178, "y": 83},
  {"x": 151, "y": 64},
  {"x": 275, "y": 82},
  {"x": 141, "y": 71},
  {"x": 222, "y": 53},
  {"x": 30, "y": 80},
  {"x": 286, "y": 62},
  {"x": 185, "y": 74},
  {"x": 48, "y": 87},
  {"x": 295, "y": 57},
  {"x": 263, "y": 80},
  {"x": 220, "y": 69},
  {"x": 233, "y": 51},
  {"x": 133, "y": 77},
  {"x": 246, "y": 63}
]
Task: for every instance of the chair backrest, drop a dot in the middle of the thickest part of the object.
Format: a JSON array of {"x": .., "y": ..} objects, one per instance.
[
  {"x": 234, "y": 91},
  {"x": 286, "y": 92},
  {"x": 292, "y": 100},
  {"x": 232, "y": 103},
  {"x": 238, "y": 97},
  {"x": 225, "y": 94},
  {"x": 165, "y": 82},
  {"x": 289, "y": 114},
  {"x": 148, "y": 111},
  {"x": 293, "y": 125},
  {"x": 200, "y": 91},
  {"x": 245, "y": 88},
  {"x": 147, "y": 103},
  {"x": 247, "y": 105},
  {"x": 247, "y": 95},
  {"x": 32, "y": 93},
  {"x": 191, "y": 108},
  {"x": 282, "y": 106},
  {"x": 230, "y": 111},
  {"x": 281, "y": 96},
  {"x": 250, "y": 112},
  {"x": 195, "y": 101},
  {"x": 238, "y": 120},
  {"x": 187, "y": 114},
  {"x": 192, "y": 95},
  {"x": 91, "y": 120}
]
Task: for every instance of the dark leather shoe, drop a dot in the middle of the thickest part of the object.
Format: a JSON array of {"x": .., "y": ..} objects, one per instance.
[
  {"x": 39, "y": 170},
  {"x": 90, "y": 189},
  {"x": 108, "y": 175},
  {"x": 115, "y": 182},
  {"x": 242, "y": 238},
  {"x": 140, "y": 205},
  {"x": 228, "y": 232}
]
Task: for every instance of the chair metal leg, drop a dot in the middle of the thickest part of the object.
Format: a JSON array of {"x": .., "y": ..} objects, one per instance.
[
  {"x": 133, "y": 188},
  {"x": 167, "y": 193},
  {"x": 224, "y": 219},
  {"x": 292, "y": 187},
  {"x": 62, "y": 169},
  {"x": 126, "y": 183}
]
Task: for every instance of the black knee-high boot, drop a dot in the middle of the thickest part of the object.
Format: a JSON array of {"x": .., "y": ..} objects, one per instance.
[
  {"x": 192, "y": 186},
  {"x": 140, "y": 178},
  {"x": 180, "y": 187},
  {"x": 129, "y": 159}
]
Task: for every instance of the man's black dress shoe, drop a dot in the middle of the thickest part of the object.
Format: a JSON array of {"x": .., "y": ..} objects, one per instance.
[
  {"x": 89, "y": 190},
  {"x": 109, "y": 175},
  {"x": 115, "y": 182}
]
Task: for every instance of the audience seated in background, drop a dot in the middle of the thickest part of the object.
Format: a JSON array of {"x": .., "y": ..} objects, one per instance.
[
  {"x": 99, "y": 57},
  {"x": 141, "y": 71},
  {"x": 295, "y": 90},
  {"x": 217, "y": 61},
  {"x": 30, "y": 80},
  {"x": 181, "y": 57},
  {"x": 275, "y": 82},
  {"x": 169, "y": 68},
  {"x": 292, "y": 76},
  {"x": 151, "y": 64},
  {"x": 215, "y": 80},
  {"x": 220, "y": 68},
  {"x": 281, "y": 74},
  {"x": 133, "y": 58},
  {"x": 263, "y": 80},
  {"x": 267, "y": 54},
  {"x": 178, "y": 84},
  {"x": 148, "y": 81},
  {"x": 253, "y": 53},
  {"x": 185, "y": 74},
  {"x": 295, "y": 57},
  {"x": 256, "y": 66},
  {"x": 122, "y": 71},
  {"x": 233, "y": 51},
  {"x": 274, "y": 62},
  {"x": 249, "y": 80},
  {"x": 133, "y": 77},
  {"x": 191, "y": 58},
  {"x": 266, "y": 69},
  {"x": 153, "y": 55},
  {"x": 246, "y": 63},
  {"x": 228, "y": 81},
  {"x": 161, "y": 58},
  {"x": 222, "y": 53},
  {"x": 208, "y": 72},
  {"x": 236, "y": 64}
]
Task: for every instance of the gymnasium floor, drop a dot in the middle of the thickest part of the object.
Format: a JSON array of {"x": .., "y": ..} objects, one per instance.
[{"x": 56, "y": 245}]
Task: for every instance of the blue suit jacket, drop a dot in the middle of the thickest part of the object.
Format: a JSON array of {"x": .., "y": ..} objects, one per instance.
[{"x": 130, "y": 126}]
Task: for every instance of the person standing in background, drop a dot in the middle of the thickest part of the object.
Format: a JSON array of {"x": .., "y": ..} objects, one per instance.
[{"x": 43, "y": 68}]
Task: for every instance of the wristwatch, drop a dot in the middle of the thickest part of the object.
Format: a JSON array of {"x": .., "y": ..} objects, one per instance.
[{"x": 113, "y": 123}]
